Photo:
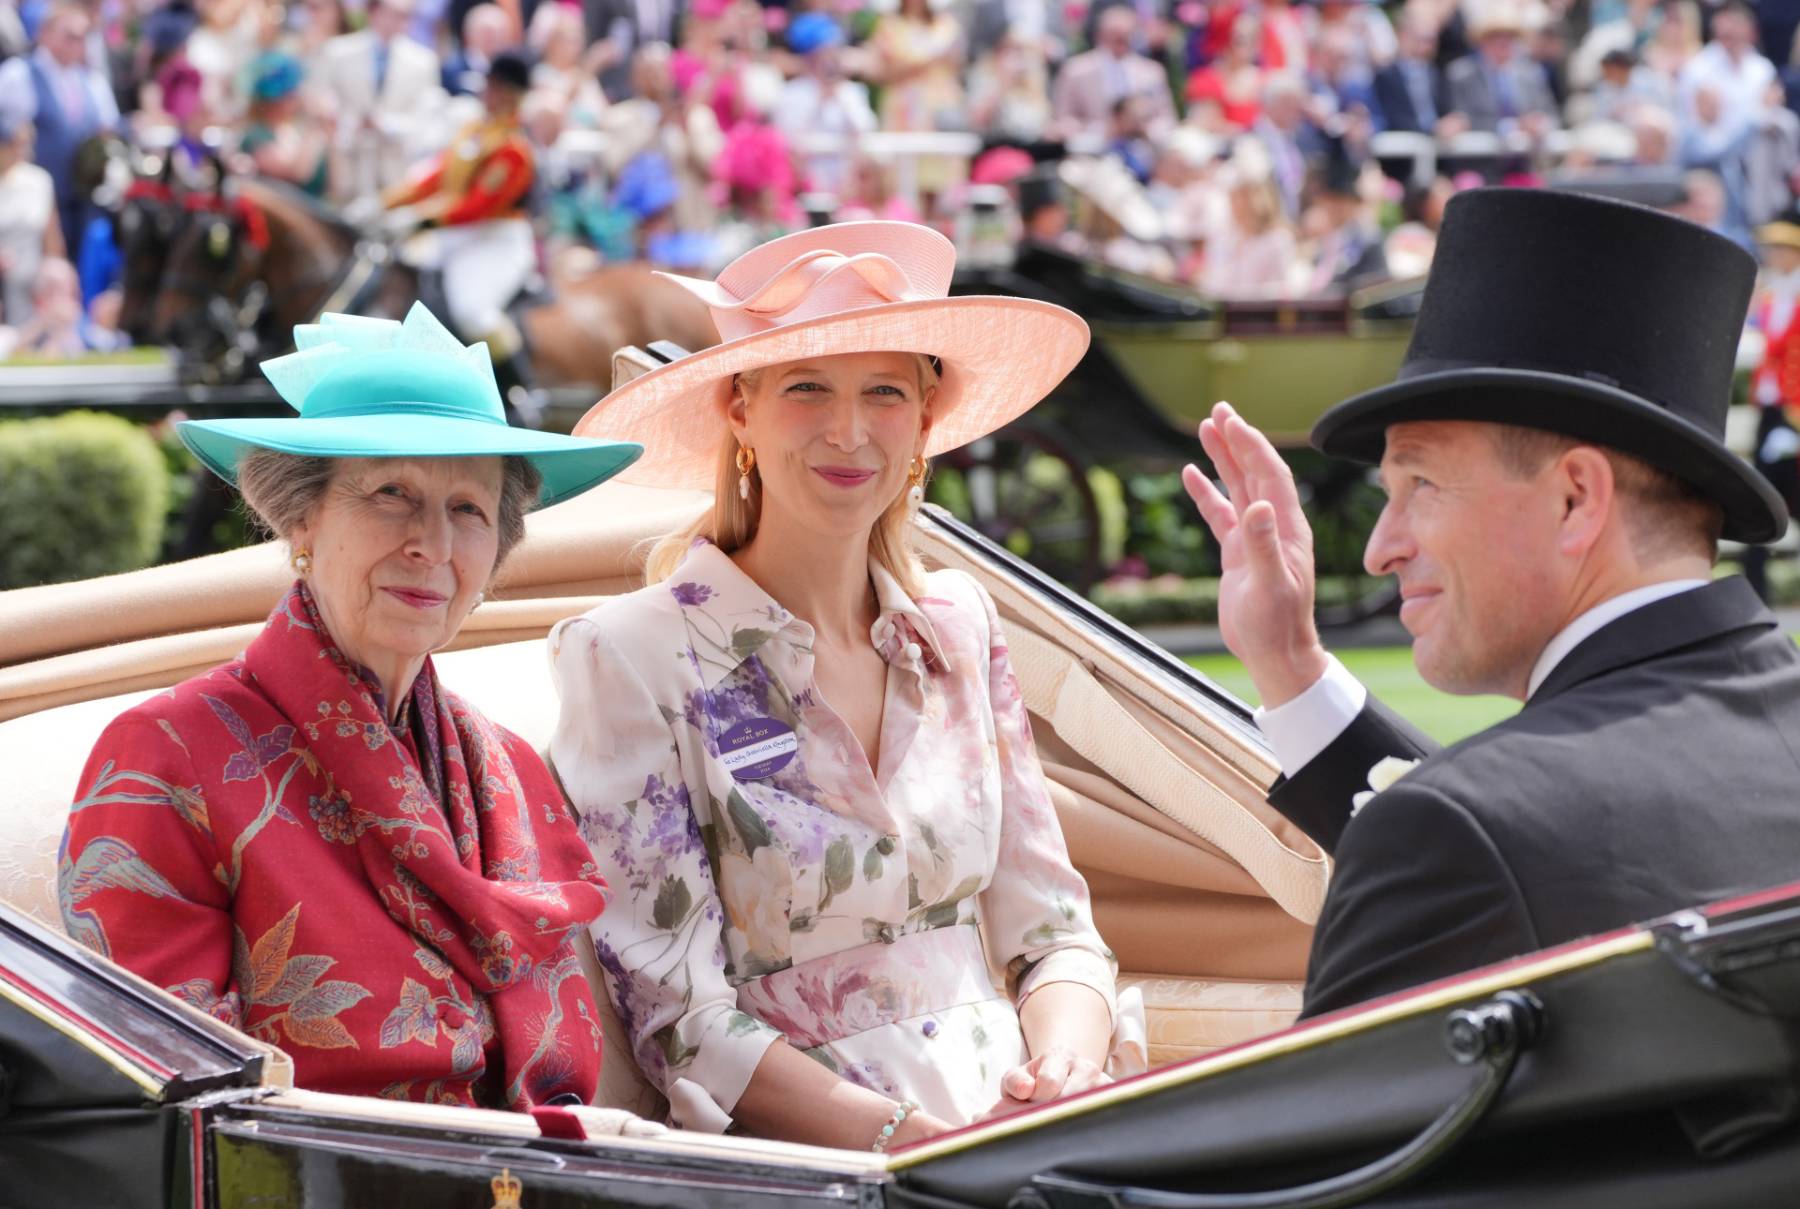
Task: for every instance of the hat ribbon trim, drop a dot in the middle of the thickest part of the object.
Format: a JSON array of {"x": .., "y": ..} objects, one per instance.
[
  {"x": 795, "y": 281},
  {"x": 387, "y": 407}
]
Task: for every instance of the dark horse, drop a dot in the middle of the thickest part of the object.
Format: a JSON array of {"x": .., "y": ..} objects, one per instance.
[{"x": 253, "y": 258}]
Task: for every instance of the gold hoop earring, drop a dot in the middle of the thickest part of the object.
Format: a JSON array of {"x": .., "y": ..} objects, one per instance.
[
  {"x": 301, "y": 561},
  {"x": 915, "y": 474},
  {"x": 746, "y": 462}
]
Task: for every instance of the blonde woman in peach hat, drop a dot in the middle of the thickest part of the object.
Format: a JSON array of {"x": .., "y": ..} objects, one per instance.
[{"x": 801, "y": 761}]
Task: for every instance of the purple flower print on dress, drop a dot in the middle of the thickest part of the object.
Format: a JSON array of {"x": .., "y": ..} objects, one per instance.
[
  {"x": 799, "y": 827},
  {"x": 674, "y": 833},
  {"x": 622, "y": 987},
  {"x": 691, "y": 595},
  {"x": 617, "y": 827},
  {"x": 873, "y": 1076},
  {"x": 739, "y": 697}
]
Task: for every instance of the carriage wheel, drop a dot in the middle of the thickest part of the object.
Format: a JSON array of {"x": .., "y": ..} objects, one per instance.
[
  {"x": 1343, "y": 502},
  {"x": 1023, "y": 489}
]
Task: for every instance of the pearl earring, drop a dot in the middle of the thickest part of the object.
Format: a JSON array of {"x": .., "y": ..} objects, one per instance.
[
  {"x": 915, "y": 474},
  {"x": 746, "y": 462},
  {"x": 302, "y": 561}
]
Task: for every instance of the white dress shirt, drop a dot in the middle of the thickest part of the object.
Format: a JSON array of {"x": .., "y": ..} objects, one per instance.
[{"x": 1300, "y": 729}]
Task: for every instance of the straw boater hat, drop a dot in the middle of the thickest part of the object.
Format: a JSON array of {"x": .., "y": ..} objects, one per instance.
[
  {"x": 1783, "y": 231},
  {"x": 858, "y": 287},
  {"x": 1499, "y": 17}
]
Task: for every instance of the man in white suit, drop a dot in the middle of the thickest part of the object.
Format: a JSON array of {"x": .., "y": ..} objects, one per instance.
[{"x": 389, "y": 98}]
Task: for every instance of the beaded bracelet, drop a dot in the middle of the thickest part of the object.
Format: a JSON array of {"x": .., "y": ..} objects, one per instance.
[{"x": 904, "y": 1110}]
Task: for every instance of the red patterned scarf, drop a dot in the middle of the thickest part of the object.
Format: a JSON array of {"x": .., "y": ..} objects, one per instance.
[{"x": 493, "y": 876}]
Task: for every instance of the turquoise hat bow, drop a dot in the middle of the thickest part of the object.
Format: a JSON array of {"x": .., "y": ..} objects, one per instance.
[{"x": 375, "y": 388}]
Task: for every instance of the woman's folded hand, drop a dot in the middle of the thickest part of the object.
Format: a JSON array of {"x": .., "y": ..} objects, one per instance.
[{"x": 1058, "y": 1071}]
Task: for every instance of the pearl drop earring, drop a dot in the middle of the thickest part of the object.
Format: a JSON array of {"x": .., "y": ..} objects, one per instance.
[{"x": 746, "y": 462}]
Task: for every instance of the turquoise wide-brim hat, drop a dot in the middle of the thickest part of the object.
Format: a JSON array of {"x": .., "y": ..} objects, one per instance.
[{"x": 374, "y": 388}]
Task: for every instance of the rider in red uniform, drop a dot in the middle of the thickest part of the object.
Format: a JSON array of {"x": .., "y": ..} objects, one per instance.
[{"x": 476, "y": 192}]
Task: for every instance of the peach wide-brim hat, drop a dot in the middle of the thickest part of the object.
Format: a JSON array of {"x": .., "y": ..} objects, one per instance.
[{"x": 857, "y": 287}]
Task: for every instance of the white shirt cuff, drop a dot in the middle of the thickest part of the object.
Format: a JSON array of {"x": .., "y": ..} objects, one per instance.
[{"x": 1300, "y": 729}]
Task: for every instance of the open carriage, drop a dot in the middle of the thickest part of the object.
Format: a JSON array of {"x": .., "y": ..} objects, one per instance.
[{"x": 1655, "y": 1066}]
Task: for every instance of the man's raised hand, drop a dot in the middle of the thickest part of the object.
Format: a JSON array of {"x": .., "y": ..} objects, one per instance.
[{"x": 1266, "y": 586}]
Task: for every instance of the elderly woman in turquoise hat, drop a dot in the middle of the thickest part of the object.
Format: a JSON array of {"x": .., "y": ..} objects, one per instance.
[{"x": 318, "y": 842}]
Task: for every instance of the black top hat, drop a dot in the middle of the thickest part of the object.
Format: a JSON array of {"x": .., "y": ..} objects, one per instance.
[
  {"x": 511, "y": 68},
  {"x": 1602, "y": 320}
]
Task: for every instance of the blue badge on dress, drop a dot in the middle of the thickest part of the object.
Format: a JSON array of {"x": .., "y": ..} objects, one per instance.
[{"x": 757, "y": 749}]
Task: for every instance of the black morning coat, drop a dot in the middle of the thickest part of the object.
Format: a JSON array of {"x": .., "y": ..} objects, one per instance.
[{"x": 1652, "y": 771}]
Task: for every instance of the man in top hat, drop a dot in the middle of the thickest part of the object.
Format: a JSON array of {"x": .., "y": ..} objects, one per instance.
[
  {"x": 476, "y": 191},
  {"x": 1557, "y": 485}
]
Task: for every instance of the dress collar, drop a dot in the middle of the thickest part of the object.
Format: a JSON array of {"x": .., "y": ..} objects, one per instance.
[{"x": 737, "y": 617}]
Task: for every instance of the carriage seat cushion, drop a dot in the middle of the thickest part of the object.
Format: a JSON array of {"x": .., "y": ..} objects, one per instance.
[
  {"x": 1193, "y": 1017},
  {"x": 43, "y": 754}
]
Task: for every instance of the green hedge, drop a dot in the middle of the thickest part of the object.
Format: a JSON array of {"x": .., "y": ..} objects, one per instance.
[{"x": 81, "y": 494}]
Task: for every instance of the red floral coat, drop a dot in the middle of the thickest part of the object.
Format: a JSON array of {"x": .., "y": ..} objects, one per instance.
[{"x": 394, "y": 907}]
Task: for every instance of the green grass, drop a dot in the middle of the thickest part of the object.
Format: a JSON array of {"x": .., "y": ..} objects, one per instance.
[{"x": 1388, "y": 671}]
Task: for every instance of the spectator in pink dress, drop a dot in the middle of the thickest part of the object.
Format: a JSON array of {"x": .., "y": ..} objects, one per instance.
[{"x": 871, "y": 195}]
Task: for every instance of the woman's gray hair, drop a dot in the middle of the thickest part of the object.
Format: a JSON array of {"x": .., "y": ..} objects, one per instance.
[{"x": 282, "y": 489}]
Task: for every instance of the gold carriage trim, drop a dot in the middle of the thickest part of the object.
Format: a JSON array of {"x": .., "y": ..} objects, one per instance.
[
  {"x": 152, "y": 1087},
  {"x": 1293, "y": 1041}
]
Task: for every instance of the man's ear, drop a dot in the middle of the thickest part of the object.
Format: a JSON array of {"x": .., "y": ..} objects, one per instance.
[{"x": 1588, "y": 496}]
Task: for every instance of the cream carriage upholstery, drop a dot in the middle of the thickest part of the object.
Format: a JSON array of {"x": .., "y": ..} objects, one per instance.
[{"x": 1204, "y": 893}]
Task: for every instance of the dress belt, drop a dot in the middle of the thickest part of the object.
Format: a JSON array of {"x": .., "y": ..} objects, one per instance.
[{"x": 842, "y": 994}]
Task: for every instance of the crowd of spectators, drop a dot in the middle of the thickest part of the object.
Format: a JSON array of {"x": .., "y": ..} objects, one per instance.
[{"x": 1251, "y": 149}]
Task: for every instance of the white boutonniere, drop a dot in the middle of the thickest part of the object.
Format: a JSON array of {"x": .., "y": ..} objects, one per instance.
[{"x": 1387, "y": 770}]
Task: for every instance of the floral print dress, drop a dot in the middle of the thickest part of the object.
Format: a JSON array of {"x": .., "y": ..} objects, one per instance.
[{"x": 768, "y": 883}]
